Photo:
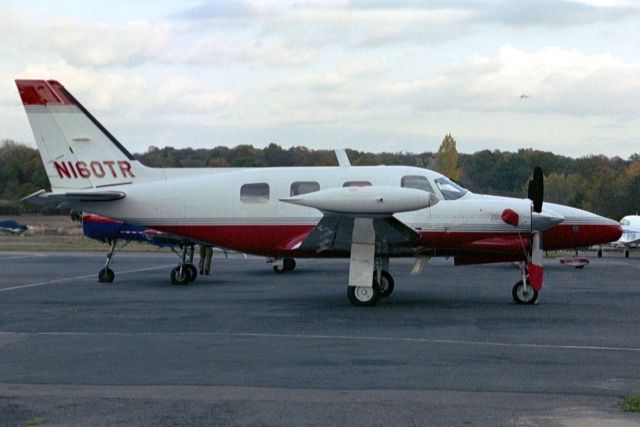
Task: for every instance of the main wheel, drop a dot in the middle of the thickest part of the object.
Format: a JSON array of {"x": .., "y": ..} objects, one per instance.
[
  {"x": 106, "y": 275},
  {"x": 192, "y": 272},
  {"x": 288, "y": 264},
  {"x": 386, "y": 283},
  {"x": 626, "y": 253},
  {"x": 364, "y": 296},
  {"x": 600, "y": 253},
  {"x": 522, "y": 296},
  {"x": 179, "y": 276}
]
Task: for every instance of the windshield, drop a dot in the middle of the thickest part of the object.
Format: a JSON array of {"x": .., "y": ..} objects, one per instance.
[{"x": 449, "y": 189}]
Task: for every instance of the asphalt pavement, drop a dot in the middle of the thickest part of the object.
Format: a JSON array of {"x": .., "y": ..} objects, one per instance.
[{"x": 248, "y": 346}]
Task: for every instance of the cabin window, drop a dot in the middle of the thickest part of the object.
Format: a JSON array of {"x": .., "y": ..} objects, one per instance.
[
  {"x": 416, "y": 181},
  {"x": 255, "y": 193},
  {"x": 304, "y": 187},
  {"x": 357, "y": 184},
  {"x": 449, "y": 189}
]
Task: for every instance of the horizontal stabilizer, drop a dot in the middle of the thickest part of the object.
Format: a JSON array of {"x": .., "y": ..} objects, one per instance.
[{"x": 43, "y": 198}]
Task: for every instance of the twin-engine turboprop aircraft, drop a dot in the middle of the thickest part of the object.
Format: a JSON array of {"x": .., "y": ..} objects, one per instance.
[{"x": 368, "y": 214}]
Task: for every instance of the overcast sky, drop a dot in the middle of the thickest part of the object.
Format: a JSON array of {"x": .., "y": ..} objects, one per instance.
[{"x": 371, "y": 75}]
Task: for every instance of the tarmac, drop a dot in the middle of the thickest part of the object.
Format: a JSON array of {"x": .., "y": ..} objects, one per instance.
[{"x": 247, "y": 346}]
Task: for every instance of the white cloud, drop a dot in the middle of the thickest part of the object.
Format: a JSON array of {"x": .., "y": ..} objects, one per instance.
[{"x": 557, "y": 81}]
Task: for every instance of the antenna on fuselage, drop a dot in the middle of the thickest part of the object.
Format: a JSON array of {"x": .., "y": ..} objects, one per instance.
[{"x": 343, "y": 159}]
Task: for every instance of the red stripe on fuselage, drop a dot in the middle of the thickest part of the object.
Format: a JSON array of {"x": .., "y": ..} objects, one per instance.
[{"x": 279, "y": 239}]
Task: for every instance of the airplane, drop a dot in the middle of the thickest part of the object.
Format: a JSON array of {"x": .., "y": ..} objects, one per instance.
[
  {"x": 630, "y": 235},
  {"x": 11, "y": 226},
  {"x": 368, "y": 214}
]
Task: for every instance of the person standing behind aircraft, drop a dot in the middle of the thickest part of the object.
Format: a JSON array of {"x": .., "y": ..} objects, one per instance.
[{"x": 206, "y": 252}]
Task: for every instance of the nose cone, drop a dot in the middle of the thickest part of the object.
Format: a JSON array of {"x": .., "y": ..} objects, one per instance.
[
  {"x": 612, "y": 230},
  {"x": 580, "y": 228}
]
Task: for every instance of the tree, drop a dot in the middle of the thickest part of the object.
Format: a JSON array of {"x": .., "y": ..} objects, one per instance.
[{"x": 447, "y": 158}]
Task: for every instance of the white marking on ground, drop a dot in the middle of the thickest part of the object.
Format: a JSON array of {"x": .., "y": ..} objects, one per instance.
[
  {"x": 335, "y": 337},
  {"x": 22, "y": 256},
  {"x": 85, "y": 276}
]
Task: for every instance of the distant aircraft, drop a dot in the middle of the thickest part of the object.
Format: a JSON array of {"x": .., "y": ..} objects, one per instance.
[
  {"x": 368, "y": 214},
  {"x": 630, "y": 235},
  {"x": 13, "y": 227},
  {"x": 524, "y": 96}
]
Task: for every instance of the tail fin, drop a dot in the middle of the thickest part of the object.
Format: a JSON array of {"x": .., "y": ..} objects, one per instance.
[{"x": 77, "y": 151}]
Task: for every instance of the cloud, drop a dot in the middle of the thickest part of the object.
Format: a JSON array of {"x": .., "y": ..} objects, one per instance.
[
  {"x": 557, "y": 80},
  {"x": 216, "y": 9}
]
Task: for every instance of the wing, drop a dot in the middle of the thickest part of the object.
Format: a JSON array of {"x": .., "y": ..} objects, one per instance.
[
  {"x": 334, "y": 232},
  {"x": 374, "y": 205}
]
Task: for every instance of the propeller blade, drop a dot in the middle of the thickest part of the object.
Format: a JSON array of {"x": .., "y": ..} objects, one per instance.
[{"x": 536, "y": 189}]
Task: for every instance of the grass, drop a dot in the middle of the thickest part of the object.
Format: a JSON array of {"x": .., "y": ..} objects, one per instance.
[
  {"x": 35, "y": 422},
  {"x": 631, "y": 403},
  {"x": 43, "y": 243}
]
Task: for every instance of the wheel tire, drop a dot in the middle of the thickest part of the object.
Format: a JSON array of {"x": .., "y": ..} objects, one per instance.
[
  {"x": 386, "y": 283},
  {"x": 192, "y": 272},
  {"x": 288, "y": 264},
  {"x": 363, "y": 296},
  {"x": 179, "y": 276},
  {"x": 106, "y": 275},
  {"x": 626, "y": 253},
  {"x": 520, "y": 297},
  {"x": 599, "y": 253}
]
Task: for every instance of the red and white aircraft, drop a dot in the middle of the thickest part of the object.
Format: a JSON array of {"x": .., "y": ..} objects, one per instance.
[{"x": 369, "y": 214}]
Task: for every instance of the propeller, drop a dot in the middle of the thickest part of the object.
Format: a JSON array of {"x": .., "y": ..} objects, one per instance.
[{"x": 536, "y": 189}]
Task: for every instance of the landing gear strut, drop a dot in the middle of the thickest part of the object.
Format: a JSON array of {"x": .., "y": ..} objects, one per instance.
[{"x": 106, "y": 275}]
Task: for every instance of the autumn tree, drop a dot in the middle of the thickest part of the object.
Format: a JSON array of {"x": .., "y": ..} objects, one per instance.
[{"x": 447, "y": 158}]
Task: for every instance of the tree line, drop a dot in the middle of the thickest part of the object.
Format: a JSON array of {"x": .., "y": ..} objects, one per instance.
[{"x": 603, "y": 185}]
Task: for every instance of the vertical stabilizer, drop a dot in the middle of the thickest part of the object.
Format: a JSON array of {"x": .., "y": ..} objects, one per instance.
[{"x": 77, "y": 151}]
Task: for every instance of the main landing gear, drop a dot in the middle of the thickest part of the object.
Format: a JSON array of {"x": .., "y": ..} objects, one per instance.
[
  {"x": 364, "y": 296},
  {"x": 288, "y": 264},
  {"x": 185, "y": 272}
]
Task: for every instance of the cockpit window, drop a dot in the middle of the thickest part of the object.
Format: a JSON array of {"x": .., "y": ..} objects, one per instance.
[
  {"x": 449, "y": 189},
  {"x": 625, "y": 221},
  {"x": 416, "y": 181}
]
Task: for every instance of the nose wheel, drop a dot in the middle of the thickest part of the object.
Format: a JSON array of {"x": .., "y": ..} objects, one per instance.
[{"x": 524, "y": 294}]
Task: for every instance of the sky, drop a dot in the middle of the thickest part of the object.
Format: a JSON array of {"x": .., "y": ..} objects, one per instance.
[{"x": 370, "y": 75}]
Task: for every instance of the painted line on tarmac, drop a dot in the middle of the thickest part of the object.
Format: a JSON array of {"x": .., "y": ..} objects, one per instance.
[
  {"x": 333, "y": 337},
  {"x": 85, "y": 276},
  {"x": 21, "y": 256}
]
